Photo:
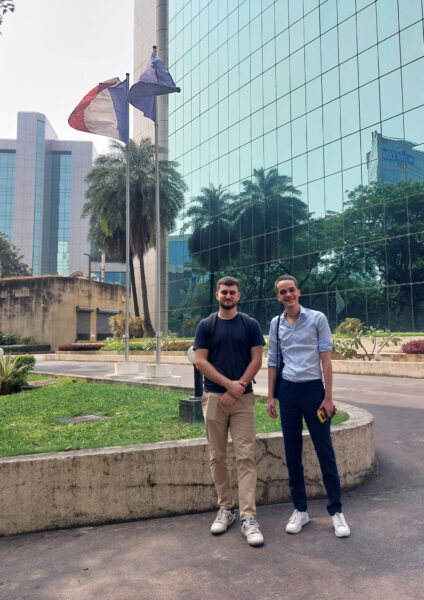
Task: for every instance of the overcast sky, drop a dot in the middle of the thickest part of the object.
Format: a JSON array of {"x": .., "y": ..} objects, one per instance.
[{"x": 52, "y": 52}]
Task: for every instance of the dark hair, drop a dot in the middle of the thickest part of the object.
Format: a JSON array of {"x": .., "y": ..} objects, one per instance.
[
  {"x": 284, "y": 278},
  {"x": 227, "y": 281}
]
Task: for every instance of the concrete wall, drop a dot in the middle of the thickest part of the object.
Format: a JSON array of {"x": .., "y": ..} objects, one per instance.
[
  {"x": 45, "y": 307},
  {"x": 86, "y": 487}
]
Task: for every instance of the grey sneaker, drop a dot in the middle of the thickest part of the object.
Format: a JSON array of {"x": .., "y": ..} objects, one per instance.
[
  {"x": 223, "y": 520},
  {"x": 297, "y": 521},
  {"x": 250, "y": 530},
  {"x": 341, "y": 528}
]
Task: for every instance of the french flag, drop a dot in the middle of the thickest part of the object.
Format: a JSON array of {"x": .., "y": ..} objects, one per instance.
[{"x": 103, "y": 111}]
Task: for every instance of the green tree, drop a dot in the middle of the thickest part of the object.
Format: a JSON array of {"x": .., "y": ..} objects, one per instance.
[
  {"x": 209, "y": 216},
  {"x": 107, "y": 189},
  {"x": 268, "y": 205},
  {"x": 11, "y": 264},
  {"x": 5, "y": 6}
]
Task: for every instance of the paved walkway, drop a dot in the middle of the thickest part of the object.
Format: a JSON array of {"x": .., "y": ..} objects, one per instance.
[{"x": 177, "y": 559}]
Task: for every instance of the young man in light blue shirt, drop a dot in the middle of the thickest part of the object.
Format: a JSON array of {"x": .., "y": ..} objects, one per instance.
[{"x": 304, "y": 338}]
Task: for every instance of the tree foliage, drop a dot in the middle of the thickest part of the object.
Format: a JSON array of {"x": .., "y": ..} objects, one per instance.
[
  {"x": 6, "y": 6},
  {"x": 106, "y": 204},
  {"x": 11, "y": 263}
]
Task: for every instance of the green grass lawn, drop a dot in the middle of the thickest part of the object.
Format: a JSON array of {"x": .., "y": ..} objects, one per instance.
[{"x": 30, "y": 420}]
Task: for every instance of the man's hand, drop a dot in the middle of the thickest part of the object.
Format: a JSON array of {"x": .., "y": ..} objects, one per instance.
[
  {"x": 271, "y": 408},
  {"x": 328, "y": 406},
  {"x": 227, "y": 399},
  {"x": 236, "y": 388}
]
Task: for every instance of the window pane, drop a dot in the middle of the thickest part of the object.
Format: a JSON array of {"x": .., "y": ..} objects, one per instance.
[
  {"x": 413, "y": 76},
  {"x": 387, "y": 18},
  {"x": 331, "y": 121},
  {"x": 389, "y": 55},
  {"x": 347, "y": 33},
  {"x": 368, "y": 65},
  {"x": 367, "y": 28},
  {"x": 391, "y": 95},
  {"x": 348, "y": 76},
  {"x": 314, "y": 128},
  {"x": 409, "y": 12},
  {"x": 411, "y": 43},
  {"x": 369, "y": 103},
  {"x": 329, "y": 50},
  {"x": 349, "y": 106},
  {"x": 330, "y": 85}
]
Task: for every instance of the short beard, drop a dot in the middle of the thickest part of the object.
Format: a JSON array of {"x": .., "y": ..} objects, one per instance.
[{"x": 227, "y": 307}]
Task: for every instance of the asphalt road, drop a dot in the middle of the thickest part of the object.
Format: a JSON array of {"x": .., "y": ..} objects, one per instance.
[{"x": 177, "y": 558}]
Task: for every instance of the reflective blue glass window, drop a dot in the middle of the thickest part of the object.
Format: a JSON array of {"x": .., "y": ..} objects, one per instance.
[
  {"x": 299, "y": 170},
  {"x": 284, "y": 143},
  {"x": 270, "y": 149},
  {"x": 297, "y": 69},
  {"x": 331, "y": 113},
  {"x": 412, "y": 43},
  {"x": 298, "y": 102},
  {"x": 389, "y": 55},
  {"x": 316, "y": 198},
  {"x": 269, "y": 88},
  {"x": 349, "y": 109},
  {"x": 313, "y": 94},
  {"x": 369, "y": 99},
  {"x": 410, "y": 11},
  {"x": 270, "y": 117},
  {"x": 412, "y": 77},
  {"x": 283, "y": 77},
  {"x": 387, "y": 18},
  {"x": 299, "y": 136},
  {"x": 351, "y": 151},
  {"x": 329, "y": 50},
  {"x": 244, "y": 13},
  {"x": 315, "y": 164},
  {"x": 295, "y": 10},
  {"x": 281, "y": 15},
  {"x": 328, "y": 15},
  {"x": 310, "y": 5},
  {"x": 330, "y": 85},
  {"x": 269, "y": 55},
  {"x": 283, "y": 110},
  {"x": 296, "y": 36},
  {"x": 333, "y": 194},
  {"x": 314, "y": 128},
  {"x": 345, "y": 8},
  {"x": 368, "y": 65},
  {"x": 312, "y": 59},
  {"x": 311, "y": 26},
  {"x": 348, "y": 76},
  {"x": 7, "y": 191},
  {"x": 281, "y": 46},
  {"x": 332, "y": 157},
  {"x": 255, "y": 33},
  {"x": 391, "y": 95},
  {"x": 367, "y": 28},
  {"x": 268, "y": 28}
]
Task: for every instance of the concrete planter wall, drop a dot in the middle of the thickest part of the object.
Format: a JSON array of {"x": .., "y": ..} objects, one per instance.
[{"x": 89, "y": 487}]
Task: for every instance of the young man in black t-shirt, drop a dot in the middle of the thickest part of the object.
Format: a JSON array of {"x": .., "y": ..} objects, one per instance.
[{"x": 229, "y": 354}]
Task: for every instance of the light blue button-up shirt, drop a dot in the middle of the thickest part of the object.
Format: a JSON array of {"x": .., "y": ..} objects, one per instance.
[{"x": 301, "y": 345}]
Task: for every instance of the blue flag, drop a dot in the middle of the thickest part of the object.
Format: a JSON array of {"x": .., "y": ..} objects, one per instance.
[{"x": 154, "y": 81}]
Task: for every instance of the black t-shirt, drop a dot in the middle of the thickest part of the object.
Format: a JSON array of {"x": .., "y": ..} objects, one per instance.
[{"x": 229, "y": 348}]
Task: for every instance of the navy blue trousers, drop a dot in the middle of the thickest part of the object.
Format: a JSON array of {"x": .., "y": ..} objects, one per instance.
[{"x": 299, "y": 400}]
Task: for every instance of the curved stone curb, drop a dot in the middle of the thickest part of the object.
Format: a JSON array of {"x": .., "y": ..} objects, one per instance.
[{"x": 87, "y": 487}]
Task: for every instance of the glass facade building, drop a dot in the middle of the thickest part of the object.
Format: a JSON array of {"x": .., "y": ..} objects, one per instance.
[
  {"x": 7, "y": 190},
  {"x": 42, "y": 194},
  {"x": 300, "y": 134}
]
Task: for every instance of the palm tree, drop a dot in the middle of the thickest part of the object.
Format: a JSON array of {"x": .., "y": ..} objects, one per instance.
[
  {"x": 268, "y": 203},
  {"x": 106, "y": 194},
  {"x": 209, "y": 216}
]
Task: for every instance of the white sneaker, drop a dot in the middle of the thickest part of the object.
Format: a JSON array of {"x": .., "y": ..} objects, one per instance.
[
  {"x": 341, "y": 528},
  {"x": 250, "y": 530},
  {"x": 223, "y": 520},
  {"x": 297, "y": 521}
]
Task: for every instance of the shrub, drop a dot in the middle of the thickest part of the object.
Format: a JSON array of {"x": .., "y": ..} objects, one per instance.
[
  {"x": 26, "y": 340},
  {"x": 413, "y": 347},
  {"x": 117, "y": 324},
  {"x": 349, "y": 345},
  {"x": 349, "y": 326},
  {"x": 13, "y": 371},
  {"x": 9, "y": 339},
  {"x": 78, "y": 347}
]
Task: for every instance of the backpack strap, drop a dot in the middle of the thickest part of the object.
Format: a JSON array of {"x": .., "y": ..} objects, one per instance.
[{"x": 210, "y": 323}]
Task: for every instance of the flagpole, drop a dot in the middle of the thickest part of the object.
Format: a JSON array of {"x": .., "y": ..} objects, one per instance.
[
  {"x": 127, "y": 234},
  {"x": 158, "y": 253}
]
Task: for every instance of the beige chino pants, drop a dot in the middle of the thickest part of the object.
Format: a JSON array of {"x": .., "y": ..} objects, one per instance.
[{"x": 240, "y": 420}]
